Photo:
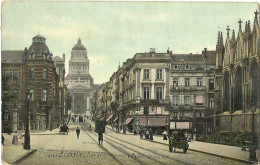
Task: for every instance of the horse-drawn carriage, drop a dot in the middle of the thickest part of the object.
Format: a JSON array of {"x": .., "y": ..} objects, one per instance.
[
  {"x": 64, "y": 128},
  {"x": 178, "y": 140}
]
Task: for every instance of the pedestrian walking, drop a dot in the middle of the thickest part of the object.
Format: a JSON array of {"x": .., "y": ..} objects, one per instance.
[
  {"x": 164, "y": 135},
  {"x": 90, "y": 127},
  {"x": 147, "y": 134},
  {"x": 100, "y": 138},
  {"x": 15, "y": 139},
  {"x": 3, "y": 139},
  {"x": 141, "y": 134},
  {"x": 151, "y": 134},
  {"x": 77, "y": 132}
]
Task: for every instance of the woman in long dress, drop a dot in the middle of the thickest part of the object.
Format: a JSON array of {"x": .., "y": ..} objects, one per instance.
[
  {"x": 164, "y": 135},
  {"x": 15, "y": 138}
]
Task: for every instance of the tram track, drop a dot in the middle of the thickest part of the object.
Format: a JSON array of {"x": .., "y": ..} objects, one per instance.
[
  {"x": 122, "y": 148},
  {"x": 137, "y": 146},
  {"x": 103, "y": 148}
]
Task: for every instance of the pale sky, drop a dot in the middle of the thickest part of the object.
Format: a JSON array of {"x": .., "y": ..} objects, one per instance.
[{"x": 112, "y": 32}]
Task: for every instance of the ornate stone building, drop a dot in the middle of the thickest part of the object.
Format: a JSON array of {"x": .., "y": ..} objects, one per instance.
[
  {"x": 192, "y": 91},
  {"x": 32, "y": 70},
  {"x": 79, "y": 81},
  {"x": 237, "y": 73}
]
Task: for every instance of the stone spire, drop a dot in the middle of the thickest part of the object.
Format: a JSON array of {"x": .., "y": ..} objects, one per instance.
[
  {"x": 246, "y": 27},
  {"x": 240, "y": 26},
  {"x": 249, "y": 28},
  {"x": 228, "y": 31},
  {"x": 221, "y": 39},
  {"x": 256, "y": 18},
  {"x": 233, "y": 35},
  {"x": 217, "y": 46}
]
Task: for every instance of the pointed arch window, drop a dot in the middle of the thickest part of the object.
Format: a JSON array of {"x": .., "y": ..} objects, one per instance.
[{"x": 238, "y": 89}]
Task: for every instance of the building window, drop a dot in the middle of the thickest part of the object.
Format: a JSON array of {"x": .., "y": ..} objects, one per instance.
[
  {"x": 32, "y": 73},
  {"x": 176, "y": 66},
  {"x": 175, "y": 82},
  {"x": 32, "y": 95},
  {"x": 187, "y": 82},
  {"x": 146, "y": 74},
  {"x": 211, "y": 84},
  {"x": 175, "y": 100},
  {"x": 44, "y": 95},
  {"x": 7, "y": 74},
  {"x": 45, "y": 74},
  {"x": 211, "y": 103},
  {"x": 187, "y": 66},
  {"x": 146, "y": 110},
  {"x": 159, "y": 93},
  {"x": 199, "y": 100},
  {"x": 15, "y": 75},
  {"x": 186, "y": 100},
  {"x": 146, "y": 93},
  {"x": 159, "y": 74},
  {"x": 199, "y": 82},
  {"x": 15, "y": 93}
]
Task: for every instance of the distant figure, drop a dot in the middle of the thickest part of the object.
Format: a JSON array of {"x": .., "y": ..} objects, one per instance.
[
  {"x": 90, "y": 127},
  {"x": 15, "y": 138},
  {"x": 100, "y": 138},
  {"x": 141, "y": 134},
  {"x": 77, "y": 132},
  {"x": 124, "y": 130},
  {"x": 147, "y": 134},
  {"x": 3, "y": 139},
  {"x": 151, "y": 134},
  {"x": 164, "y": 135}
]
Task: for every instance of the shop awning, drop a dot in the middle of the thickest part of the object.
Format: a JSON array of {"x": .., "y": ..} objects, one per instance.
[
  {"x": 152, "y": 121},
  {"x": 125, "y": 121},
  {"x": 180, "y": 125},
  {"x": 129, "y": 120},
  {"x": 115, "y": 119},
  {"x": 157, "y": 122},
  {"x": 109, "y": 117}
]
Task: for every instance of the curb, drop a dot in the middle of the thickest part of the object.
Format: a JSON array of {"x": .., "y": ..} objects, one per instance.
[
  {"x": 226, "y": 157},
  {"x": 26, "y": 155}
]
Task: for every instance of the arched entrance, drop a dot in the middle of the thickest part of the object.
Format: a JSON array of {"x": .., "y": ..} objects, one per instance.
[
  {"x": 255, "y": 84},
  {"x": 226, "y": 92},
  {"x": 238, "y": 89}
]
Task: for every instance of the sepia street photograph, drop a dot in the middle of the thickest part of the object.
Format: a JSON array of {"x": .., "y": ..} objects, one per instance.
[{"x": 130, "y": 83}]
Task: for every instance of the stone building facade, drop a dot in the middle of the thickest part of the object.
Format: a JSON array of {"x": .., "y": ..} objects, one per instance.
[
  {"x": 139, "y": 92},
  {"x": 33, "y": 71},
  {"x": 192, "y": 91},
  {"x": 79, "y": 81},
  {"x": 237, "y": 75}
]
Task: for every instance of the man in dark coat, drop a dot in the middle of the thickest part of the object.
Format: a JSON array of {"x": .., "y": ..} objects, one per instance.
[
  {"x": 100, "y": 138},
  {"x": 77, "y": 132}
]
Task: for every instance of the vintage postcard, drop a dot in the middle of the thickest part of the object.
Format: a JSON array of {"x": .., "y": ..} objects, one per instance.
[{"x": 116, "y": 82}]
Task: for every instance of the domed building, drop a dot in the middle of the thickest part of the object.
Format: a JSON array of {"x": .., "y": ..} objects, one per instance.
[{"x": 79, "y": 82}]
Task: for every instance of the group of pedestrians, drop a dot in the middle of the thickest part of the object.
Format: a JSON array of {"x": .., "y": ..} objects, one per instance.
[
  {"x": 148, "y": 134},
  {"x": 100, "y": 135}
]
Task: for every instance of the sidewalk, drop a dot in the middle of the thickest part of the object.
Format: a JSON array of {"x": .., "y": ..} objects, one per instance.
[{"x": 11, "y": 153}]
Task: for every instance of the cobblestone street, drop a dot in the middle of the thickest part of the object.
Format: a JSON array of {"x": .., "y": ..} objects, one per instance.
[{"x": 116, "y": 149}]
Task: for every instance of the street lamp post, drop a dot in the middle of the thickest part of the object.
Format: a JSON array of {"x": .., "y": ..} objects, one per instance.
[
  {"x": 9, "y": 120},
  {"x": 252, "y": 149},
  {"x": 27, "y": 131}
]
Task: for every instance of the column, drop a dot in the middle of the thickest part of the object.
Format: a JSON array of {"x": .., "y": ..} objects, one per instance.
[
  {"x": 167, "y": 87},
  {"x": 138, "y": 78},
  {"x": 14, "y": 120}
]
